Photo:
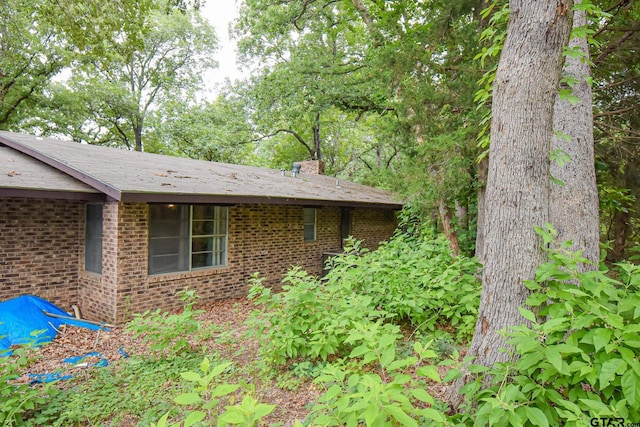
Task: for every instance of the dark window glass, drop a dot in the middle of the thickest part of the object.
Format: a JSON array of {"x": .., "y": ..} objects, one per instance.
[
  {"x": 309, "y": 224},
  {"x": 93, "y": 239},
  {"x": 184, "y": 237}
]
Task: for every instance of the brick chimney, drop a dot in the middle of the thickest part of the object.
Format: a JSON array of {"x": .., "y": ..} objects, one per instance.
[{"x": 312, "y": 167}]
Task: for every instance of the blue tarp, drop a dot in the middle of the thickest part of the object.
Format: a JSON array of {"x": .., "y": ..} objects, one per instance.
[{"x": 22, "y": 316}]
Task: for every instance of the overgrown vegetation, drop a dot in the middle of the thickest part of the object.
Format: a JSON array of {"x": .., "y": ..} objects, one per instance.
[
  {"x": 19, "y": 401},
  {"x": 411, "y": 283},
  {"x": 381, "y": 335},
  {"x": 578, "y": 359}
]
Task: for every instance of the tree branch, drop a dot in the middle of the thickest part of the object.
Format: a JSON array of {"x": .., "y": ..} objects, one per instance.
[{"x": 289, "y": 131}]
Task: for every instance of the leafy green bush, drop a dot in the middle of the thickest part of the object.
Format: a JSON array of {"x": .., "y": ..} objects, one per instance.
[
  {"x": 411, "y": 279},
  {"x": 414, "y": 277},
  {"x": 168, "y": 334},
  {"x": 579, "y": 359},
  {"x": 301, "y": 321},
  {"x": 20, "y": 401},
  {"x": 208, "y": 392},
  {"x": 395, "y": 394}
]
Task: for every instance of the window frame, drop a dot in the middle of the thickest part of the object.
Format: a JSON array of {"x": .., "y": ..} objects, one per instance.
[
  {"x": 309, "y": 224},
  {"x": 219, "y": 235}
]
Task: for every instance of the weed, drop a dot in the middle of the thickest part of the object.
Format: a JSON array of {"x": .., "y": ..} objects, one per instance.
[
  {"x": 20, "y": 401},
  {"x": 135, "y": 387},
  {"x": 168, "y": 334}
]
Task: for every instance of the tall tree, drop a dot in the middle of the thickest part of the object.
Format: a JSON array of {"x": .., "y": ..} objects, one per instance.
[
  {"x": 517, "y": 196},
  {"x": 32, "y": 52},
  {"x": 216, "y": 131},
  {"x": 616, "y": 90},
  {"x": 315, "y": 56},
  {"x": 411, "y": 61},
  {"x": 574, "y": 194},
  {"x": 151, "y": 52}
]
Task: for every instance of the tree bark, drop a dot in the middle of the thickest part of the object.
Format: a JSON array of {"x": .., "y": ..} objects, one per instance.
[
  {"x": 316, "y": 139},
  {"x": 482, "y": 188},
  {"x": 621, "y": 230},
  {"x": 574, "y": 205},
  {"x": 447, "y": 226},
  {"x": 517, "y": 196}
]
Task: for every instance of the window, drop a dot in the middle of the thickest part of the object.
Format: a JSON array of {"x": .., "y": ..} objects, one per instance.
[
  {"x": 93, "y": 239},
  {"x": 309, "y": 224},
  {"x": 186, "y": 237},
  {"x": 345, "y": 224}
]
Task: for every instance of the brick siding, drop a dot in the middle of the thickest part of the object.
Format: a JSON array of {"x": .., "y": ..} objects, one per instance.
[
  {"x": 267, "y": 239},
  {"x": 40, "y": 243}
]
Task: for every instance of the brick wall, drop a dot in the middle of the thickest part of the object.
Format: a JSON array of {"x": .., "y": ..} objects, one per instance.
[
  {"x": 372, "y": 226},
  {"x": 267, "y": 239},
  {"x": 97, "y": 292},
  {"x": 40, "y": 243},
  {"x": 42, "y": 252}
]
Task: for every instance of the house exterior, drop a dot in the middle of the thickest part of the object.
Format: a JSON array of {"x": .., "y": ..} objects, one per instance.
[{"x": 118, "y": 232}]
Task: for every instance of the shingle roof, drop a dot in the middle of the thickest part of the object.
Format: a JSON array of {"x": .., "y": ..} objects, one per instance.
[
  {"x": 21, "y": 175},
  {"x": 133, "y": 176}
]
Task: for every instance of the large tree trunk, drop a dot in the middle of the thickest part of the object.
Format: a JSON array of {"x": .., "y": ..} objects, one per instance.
[
  {"x": 482, "y": 188},
  {"x": 517, "y": 196},
  {"x": 574, "y": 205}
]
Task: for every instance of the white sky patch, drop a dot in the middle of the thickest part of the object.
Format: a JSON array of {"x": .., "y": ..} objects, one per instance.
[{"x": 220, "y": 14}]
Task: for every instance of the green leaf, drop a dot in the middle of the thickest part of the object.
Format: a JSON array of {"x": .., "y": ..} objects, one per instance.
[
  {"x": 527, "y": 314},
  {"x": 430, "y": 372},
  {"x": 217, "y": 370},
  {"x": 262, "y": 410},
  {"x": 188, "y": 399},
  {"x": 554, "y": 357},
  {"x": 567, "y": 94},
  {"x": 231, "y": 416},
  {"x": 609, "y": 370},
  {"x": 601, "y": 337},
  {"x": 631, "y": 387},
  {"x": 452, "y": 374},
  {"x": 597, "y": 408},
  {"x": 193, "y": 418},
  {"x": 224, "y": 389},
  {"x": 331, "y": 393},
  {"x": 371, "y": 414},
  {"x": 400, "y": 416},
  {"x": 191, "y": 376},
  {"x": 536, "y": 416},
  {"x": 204, "y": 365},
  {"x": 433, "y": 414},
  {"x": 536, "y": 299},
  {"x": 422, "y": 395}
]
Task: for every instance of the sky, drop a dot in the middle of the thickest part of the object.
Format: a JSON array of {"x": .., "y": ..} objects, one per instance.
[{"x": 220, "y": 13}]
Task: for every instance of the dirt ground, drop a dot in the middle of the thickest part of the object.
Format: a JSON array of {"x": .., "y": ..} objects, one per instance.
[{"x": 109, "y": 347}]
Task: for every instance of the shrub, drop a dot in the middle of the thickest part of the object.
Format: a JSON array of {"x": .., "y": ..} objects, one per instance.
[
  {"x": 394, "y": 394},
  {"x": 207, "y": 393},
  {"x": 578, "y": 360},
  {"x": 413, "y": 279},
  {"x": 168, "y": 334}
]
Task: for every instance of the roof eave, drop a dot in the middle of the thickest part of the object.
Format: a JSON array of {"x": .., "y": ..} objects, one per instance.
[
  {"x": 100, "y": 186},
  {"x": 134, "y": 197},
  {"x": 52, "y": 194}
]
